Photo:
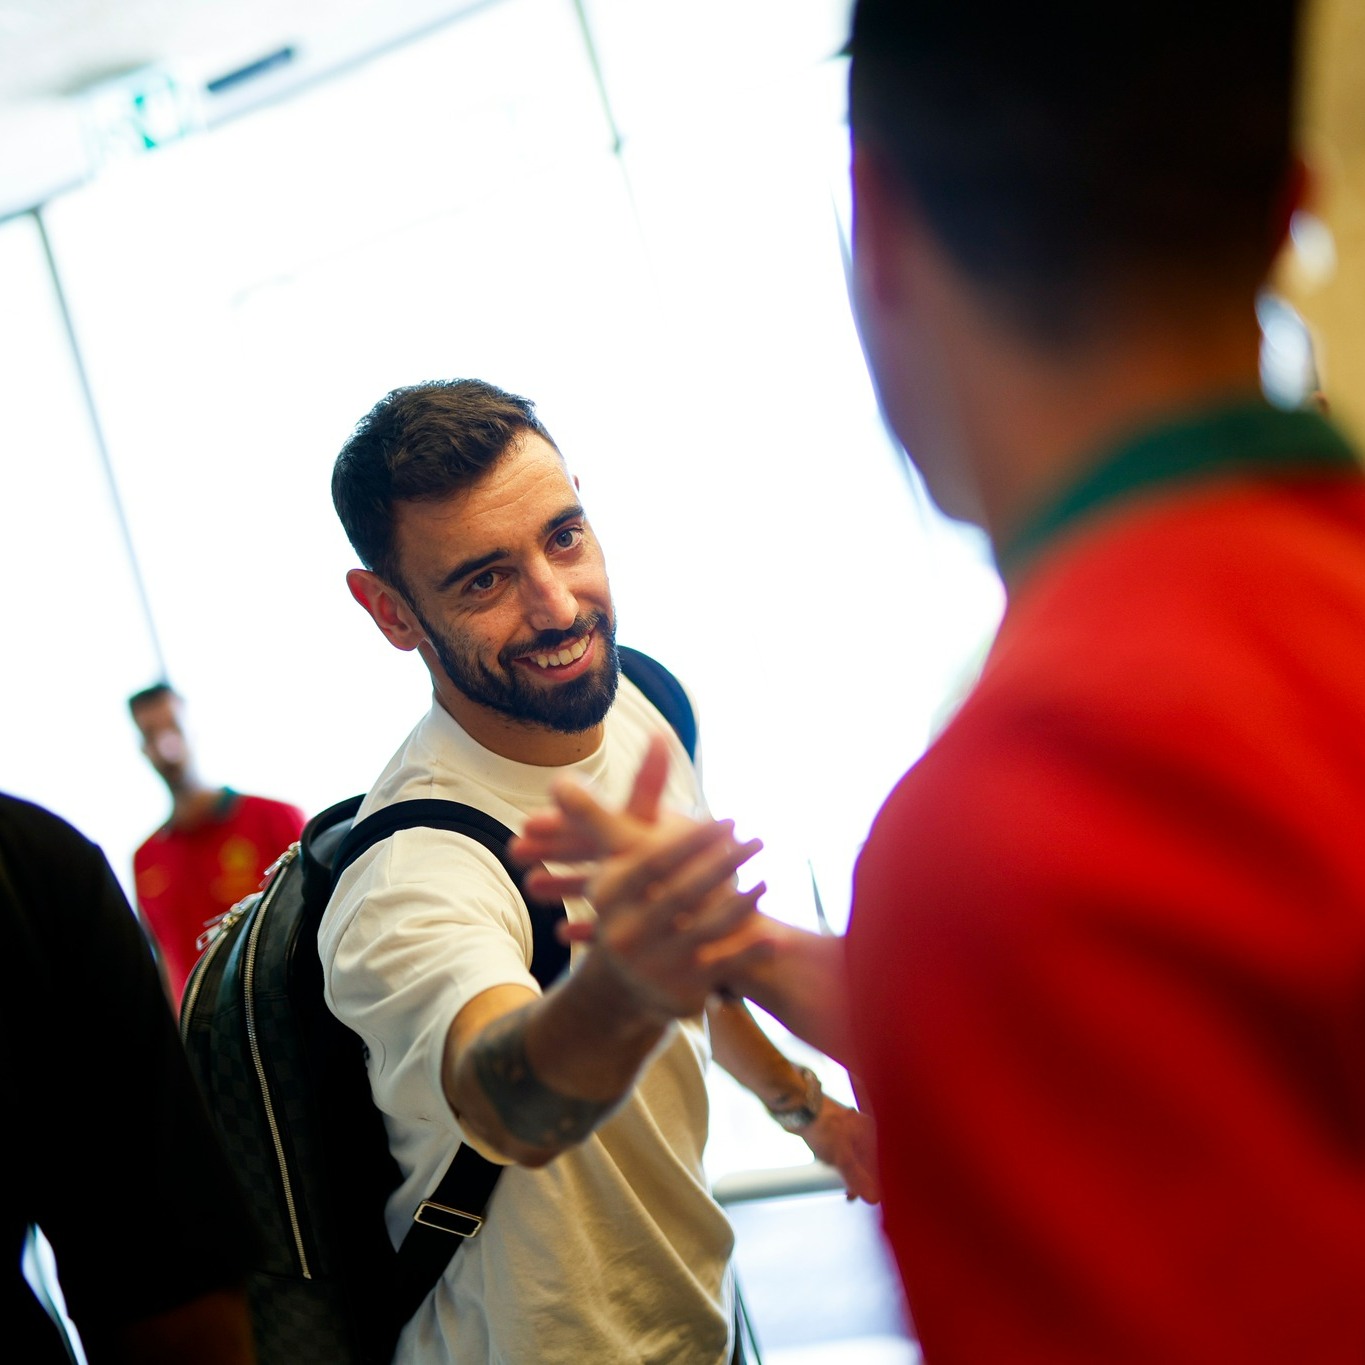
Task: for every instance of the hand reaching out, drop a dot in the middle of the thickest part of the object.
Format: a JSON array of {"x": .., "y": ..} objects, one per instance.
[
  {"x": 578, "y": 829},
  {"x": 846, "y": 1139},
  {"x": 672, "y": 921}
]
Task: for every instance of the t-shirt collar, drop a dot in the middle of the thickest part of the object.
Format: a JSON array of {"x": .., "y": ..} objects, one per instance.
[{"x": 1248, "y": 437}]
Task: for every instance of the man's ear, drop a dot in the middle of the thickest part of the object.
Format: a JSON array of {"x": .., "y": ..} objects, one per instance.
[
  {"x": 876, "y": 210},
  {"x": 1298, "y": 191},
  {"x": 388, "y": 609}
]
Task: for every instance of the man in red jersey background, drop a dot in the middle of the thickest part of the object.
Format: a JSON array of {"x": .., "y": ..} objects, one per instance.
[
  {"x": 212, "y": 851},
  {"x": 1104, "y": 978}
]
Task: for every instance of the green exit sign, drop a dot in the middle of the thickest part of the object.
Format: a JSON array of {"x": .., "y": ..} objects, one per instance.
[{"x": 139, "y": 112}]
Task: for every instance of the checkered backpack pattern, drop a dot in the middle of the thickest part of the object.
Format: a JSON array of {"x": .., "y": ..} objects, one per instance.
[{"x": 285, "y": 1082}]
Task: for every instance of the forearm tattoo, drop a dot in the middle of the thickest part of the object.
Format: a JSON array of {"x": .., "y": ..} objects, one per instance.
[{"x": 529, "y": 1109}]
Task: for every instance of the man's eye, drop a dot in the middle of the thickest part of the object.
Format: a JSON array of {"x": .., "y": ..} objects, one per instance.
[
  {"x": 484, "y": 581},
  {"x": 568, "y": 536}
]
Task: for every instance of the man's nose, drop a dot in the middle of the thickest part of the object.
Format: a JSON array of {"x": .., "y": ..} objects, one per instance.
[{"x": 550, "y": 605}]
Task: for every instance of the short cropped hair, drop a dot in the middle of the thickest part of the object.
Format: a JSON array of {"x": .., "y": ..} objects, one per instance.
[
  {"x": 1062, "y": 147},
  {"x": 421, "y": 442},
  {"x": 154, "y": 692}
]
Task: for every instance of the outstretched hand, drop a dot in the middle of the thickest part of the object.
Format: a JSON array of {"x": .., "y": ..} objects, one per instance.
[
  {"x": 847, "y": 1140},
  {"x": 577, "y": 829},
  {"x": 670, "y": 915}
]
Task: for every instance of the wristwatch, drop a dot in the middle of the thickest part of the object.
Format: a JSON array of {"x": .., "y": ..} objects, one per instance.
[{"x": 805, "y": 1113}]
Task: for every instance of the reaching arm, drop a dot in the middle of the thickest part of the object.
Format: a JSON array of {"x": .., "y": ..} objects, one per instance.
[
  {"x": 528, "y": 1089},
  {"x": 837, "y": 1135},
  {"x": 800, "y": 981},
  {"x": 798, "y": 977},
  {"x": 532, "y": 1075}
]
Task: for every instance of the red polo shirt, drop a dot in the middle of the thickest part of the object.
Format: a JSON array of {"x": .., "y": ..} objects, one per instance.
[{"x": 1107, "y": 946}]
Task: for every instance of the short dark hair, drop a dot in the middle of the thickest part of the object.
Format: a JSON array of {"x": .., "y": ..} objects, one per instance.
[
  {"x": 423, "y": 441},
  {"x": 154, "y": 692},
  {"x": 1060, "y": 148}
]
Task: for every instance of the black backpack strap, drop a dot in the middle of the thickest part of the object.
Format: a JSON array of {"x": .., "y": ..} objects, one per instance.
[
  {"x": 456, "y": 1206},
  {"x": 452, "y": 1212},
  {"x": 549, "y": 956},
  {"x": 664, "y": 691}
]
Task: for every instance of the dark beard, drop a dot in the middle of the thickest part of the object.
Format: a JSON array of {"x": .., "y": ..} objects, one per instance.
[{"x": 569, "y": 708}]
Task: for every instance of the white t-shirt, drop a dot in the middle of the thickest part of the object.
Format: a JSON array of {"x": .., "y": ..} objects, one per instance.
[{"x": 613, "y": 1252}]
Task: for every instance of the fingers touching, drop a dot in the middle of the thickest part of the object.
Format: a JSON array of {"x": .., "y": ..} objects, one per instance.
[
  {"x": 647, "y": 793},
  {"x": 664, "y": 886}
]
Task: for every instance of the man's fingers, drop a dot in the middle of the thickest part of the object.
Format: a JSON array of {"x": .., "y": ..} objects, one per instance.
[
  {"x": 551, "y": 840},
  {"x": 546, "y": 834},
  {"x": 685, "y": 864},
  {"x": 747, "y": 959},
  {"x": 576, "y": 829},
  {"x": 726, "y": 917},
  {"x": 546, "y": 886},
  {"x": 637, "y": 876},
  {"x": 599, "y": 831},
  {"x": 648, "y": 790},
  {"x": 575, "y": 931},
  {"x": 736, "y": 953},
  {"x": 701, "y": 899}
]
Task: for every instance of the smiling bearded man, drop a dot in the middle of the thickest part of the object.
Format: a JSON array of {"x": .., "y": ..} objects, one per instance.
[{"x": 602, "y": 1241}]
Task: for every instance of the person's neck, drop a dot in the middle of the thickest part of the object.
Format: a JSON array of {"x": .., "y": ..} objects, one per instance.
[
  {"x": 520, "y": 741},
  {"x": 193, "y": 803},
  {"x": 1035, "y": 422}
]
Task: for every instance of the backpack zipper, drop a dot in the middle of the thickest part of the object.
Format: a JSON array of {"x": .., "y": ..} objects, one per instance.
[
  {"x": 211, "y": 940},
  {"x": 199, "y": 971},
  {"x": 249, "y": 1004}
]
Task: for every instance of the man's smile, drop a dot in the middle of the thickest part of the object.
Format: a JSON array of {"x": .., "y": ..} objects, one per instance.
[{"x": 561, "y": 658}]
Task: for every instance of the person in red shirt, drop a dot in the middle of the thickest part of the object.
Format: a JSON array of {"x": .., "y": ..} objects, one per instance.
[
  {"x": 1103, "y": 984},
  {"x": 213, "y": 850}
]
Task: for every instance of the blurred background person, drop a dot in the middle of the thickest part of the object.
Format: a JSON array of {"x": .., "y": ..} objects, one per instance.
[{"x": 212, "y": 851}]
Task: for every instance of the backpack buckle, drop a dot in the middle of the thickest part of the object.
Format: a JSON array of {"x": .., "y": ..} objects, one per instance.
[{"x": 445, "y": 1219}]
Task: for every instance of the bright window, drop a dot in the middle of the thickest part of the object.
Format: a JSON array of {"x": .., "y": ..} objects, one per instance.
[{"x": 650, "y": 245}]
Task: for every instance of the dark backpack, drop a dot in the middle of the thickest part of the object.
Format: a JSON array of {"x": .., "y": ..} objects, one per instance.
[{"x": 286, "y": 1083}]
